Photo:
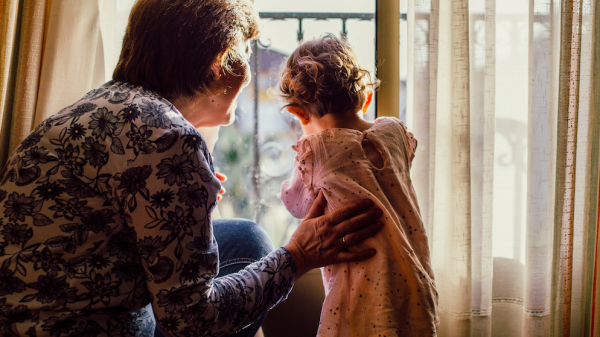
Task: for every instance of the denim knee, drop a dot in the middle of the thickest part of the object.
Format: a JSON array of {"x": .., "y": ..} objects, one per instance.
[{"x": 240, "y": 241}]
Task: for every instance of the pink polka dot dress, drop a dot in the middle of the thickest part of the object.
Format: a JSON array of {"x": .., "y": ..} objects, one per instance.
[{"x": 392, "y": 294}]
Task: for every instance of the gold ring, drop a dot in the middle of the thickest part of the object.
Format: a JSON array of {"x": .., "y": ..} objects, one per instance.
[{"x": 344, "y": 240}]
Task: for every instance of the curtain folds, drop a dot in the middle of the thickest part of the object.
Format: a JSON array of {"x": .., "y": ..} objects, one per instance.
[
  {"x": 584, "y": 217},
  {"x": 52, "y": 53},
  {"x": 594, "y": 211},
  {"x": 503, "y": 101},
  {"x": 81, "y": 51},
  {"x": 544, "y": 40},
  {"x": 22, "y": 32},
  {"x": 73, "y": 57},
  {"x": 577, "y": 175}
]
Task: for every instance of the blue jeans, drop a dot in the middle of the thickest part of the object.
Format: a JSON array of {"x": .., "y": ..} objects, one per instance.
[{"x": 241, "y": 242}]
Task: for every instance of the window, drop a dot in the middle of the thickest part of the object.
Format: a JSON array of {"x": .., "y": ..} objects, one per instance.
[{"x": 256, "y": 149}]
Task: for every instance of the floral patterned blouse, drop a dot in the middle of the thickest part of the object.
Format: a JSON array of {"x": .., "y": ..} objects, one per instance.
[{"x": 106, "y": 208}]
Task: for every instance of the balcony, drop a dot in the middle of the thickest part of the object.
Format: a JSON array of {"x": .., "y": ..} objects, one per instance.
[{"x": 256, "y": 149}]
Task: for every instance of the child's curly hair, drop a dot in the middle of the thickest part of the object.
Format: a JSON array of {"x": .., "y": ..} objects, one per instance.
[{"x": 323, "y": 76}]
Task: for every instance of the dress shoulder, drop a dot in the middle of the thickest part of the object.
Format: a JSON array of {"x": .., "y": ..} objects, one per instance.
[
  {"x": 410, "y": 141},
  {"x": 304, "y": 161}
]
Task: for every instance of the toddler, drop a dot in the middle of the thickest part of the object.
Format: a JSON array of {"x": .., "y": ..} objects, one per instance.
[{"x": 347, "y": 158}]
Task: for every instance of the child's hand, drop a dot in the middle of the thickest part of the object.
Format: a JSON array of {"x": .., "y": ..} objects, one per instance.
[{"x": 222, "y": 178}]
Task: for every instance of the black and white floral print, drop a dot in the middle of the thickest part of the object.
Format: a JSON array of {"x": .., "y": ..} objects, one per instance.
[{"x": 104, "y": 208}]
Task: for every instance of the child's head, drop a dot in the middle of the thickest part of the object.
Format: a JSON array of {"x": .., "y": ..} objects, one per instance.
[{"x": 324, "y": 76}]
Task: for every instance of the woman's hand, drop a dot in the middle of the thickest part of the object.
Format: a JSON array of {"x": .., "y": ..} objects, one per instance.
[
  {"x": 222, "y": 178},
  {"x": 321, "y": 240}
]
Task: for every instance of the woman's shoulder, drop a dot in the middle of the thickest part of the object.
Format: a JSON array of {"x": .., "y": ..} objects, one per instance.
[{"x": 126, "y": 123}]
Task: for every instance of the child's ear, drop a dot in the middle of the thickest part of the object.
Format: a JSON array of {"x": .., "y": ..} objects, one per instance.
[
  {"x": 367, "y": 102},
  {"x": 298, "y": 112}
]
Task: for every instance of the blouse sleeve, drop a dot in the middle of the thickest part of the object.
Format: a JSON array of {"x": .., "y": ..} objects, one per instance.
[
  {"x": 172, "y": 218},
  {"x": 297, "y": 193},
  {"x": 411, "y": 142}
]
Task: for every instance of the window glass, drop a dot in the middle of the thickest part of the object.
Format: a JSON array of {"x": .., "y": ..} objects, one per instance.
[{"x": 255, "y": 151}]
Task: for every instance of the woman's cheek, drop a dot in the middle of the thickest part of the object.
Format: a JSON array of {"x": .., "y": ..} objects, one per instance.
[{"x": 247, "y": 75}]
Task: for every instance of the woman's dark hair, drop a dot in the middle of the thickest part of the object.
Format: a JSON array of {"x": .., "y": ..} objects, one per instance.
[
  {"x": 323, "y": 76},
  {"x": 170, "y": 45}
]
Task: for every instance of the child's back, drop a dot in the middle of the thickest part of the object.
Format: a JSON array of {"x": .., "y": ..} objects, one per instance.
[{"x": 393, "y": 293}]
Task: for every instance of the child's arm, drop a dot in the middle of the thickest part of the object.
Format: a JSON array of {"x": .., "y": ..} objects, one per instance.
[{"x": 297, "y": 193}]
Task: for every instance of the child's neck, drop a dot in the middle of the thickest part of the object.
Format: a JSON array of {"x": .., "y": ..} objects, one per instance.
[{"x": 347, "y": 120}]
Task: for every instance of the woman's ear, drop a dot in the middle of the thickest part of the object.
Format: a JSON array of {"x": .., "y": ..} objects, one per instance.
[
  {"x": 298, "y": 112},
  {"x": 367, "y": 102},
  {"x": 216, "y": 68}
]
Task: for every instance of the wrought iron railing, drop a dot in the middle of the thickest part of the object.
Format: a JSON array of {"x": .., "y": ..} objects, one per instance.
[
  {"x": 262, "y": 199},
  {"x": 256, "y": 163},
  {"x": 318, "y": 16},
  {"x": 258, "y": 176},
  {"x": 256, "y": 171}
]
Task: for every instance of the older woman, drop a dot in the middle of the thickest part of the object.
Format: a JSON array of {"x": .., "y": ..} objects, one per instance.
[{"x": 107, "y": 204}]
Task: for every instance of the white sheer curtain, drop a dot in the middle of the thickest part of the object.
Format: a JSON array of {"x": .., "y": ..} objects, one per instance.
[
  {"x": 51, "y": 54},
  {"x": 81, "y": 49},
  {"x": 485, "y": 80}
]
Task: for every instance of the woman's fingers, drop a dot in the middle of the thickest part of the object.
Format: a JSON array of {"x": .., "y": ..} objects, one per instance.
[
  {"x": 354, "y": 224},
  {"x": 319, "y": 239},
  {"x": 345, "y": 256},
  {"x": 221, "y": 176},
  {"x": 347, "y": 211},
  {"x": 361, "y": 235},
  {"x": 318, "y": 207}
]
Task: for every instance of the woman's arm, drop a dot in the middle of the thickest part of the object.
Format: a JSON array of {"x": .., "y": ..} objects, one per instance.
[
  {"x": 172, "y": 218},
  {"x": 180, "y": 257}
]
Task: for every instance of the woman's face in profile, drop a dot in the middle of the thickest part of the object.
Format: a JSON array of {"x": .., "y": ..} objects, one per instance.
[
  {"x": 237, "y": 79},
  {"x": 219, "y": 109}
]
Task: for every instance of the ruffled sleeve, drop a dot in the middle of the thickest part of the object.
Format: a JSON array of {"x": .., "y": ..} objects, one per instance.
[
  {"x": 297, "y": 193},
  {"x": 411, "y": 142}
]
